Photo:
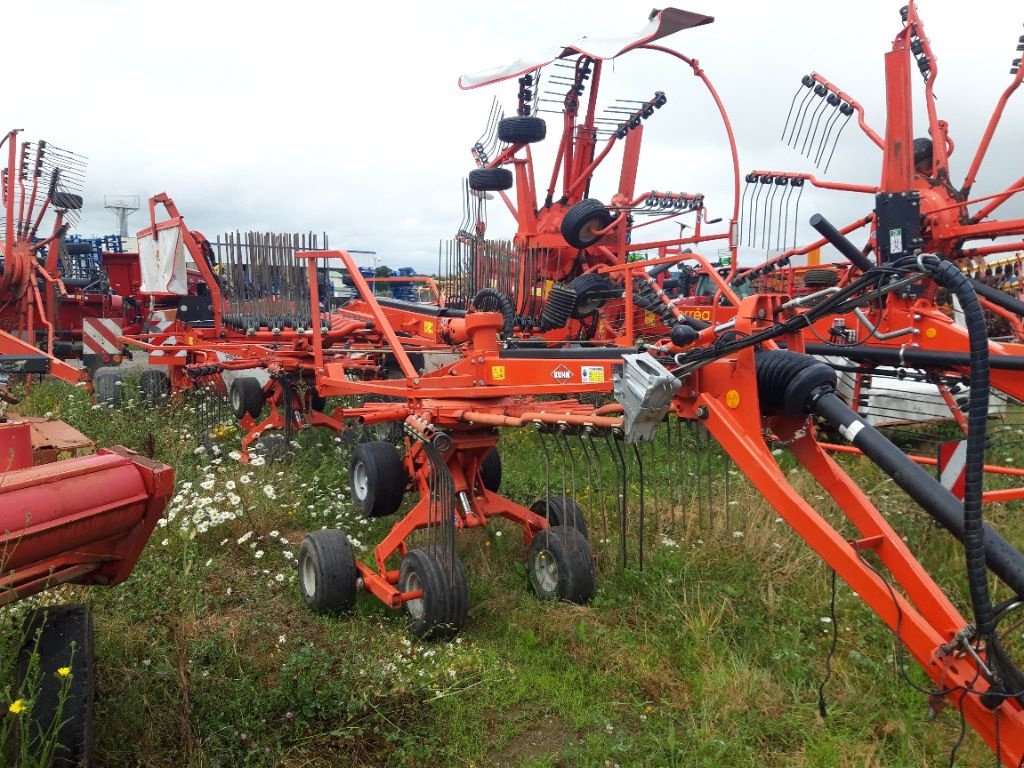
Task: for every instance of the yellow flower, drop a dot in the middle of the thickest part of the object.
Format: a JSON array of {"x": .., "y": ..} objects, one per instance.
[
  {"x": 17, "y": 707},
  {"x": 64, "y": 672}
]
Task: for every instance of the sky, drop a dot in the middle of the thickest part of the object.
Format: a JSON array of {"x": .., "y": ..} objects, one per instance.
[{"x": 346, "y": 118}]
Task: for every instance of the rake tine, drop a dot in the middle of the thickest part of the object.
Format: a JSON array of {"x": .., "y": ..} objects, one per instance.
[
  {"x": 766, "y": 219},
  {"x": 812, "y": 127},
  {"x": 769, "y": 214},
  {"x": 787, "y": 192},
  {"x": 794, "y": 135},
  {"x": 835, "y": 143},
  {"x": 748, "y": 191},
  {"x": 623, "y": 495},
  {"x": 638, "y": 455},
  {"x": 829, "y": 126},
  {"x": 790, "y": 114},
  {"x": 600, "y": 479},
  {"x": 755, "y": 207},
  {"x": 823, "y": 110},
  {"x": 547, "y": 461},
  {"x": 796, "y": 214}
]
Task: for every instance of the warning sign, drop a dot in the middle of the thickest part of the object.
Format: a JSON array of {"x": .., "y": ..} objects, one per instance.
[{"x": 592, "y": 374}]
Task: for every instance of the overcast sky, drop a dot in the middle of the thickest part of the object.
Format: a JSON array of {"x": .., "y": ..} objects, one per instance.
[{"x": 346, "y": 117}]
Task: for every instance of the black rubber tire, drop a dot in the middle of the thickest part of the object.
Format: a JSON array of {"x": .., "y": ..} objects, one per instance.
[
  {"x": 59, "y": 626},
  {"x": 561, "y": 566},
  {"x": 821, "y": 278},
  {"x": 327, "y": 572},
  {"x": 490, "y": 179},
  {"x": 376, "y": 479},
  {"x": 79, "y": 249},
  {"x": 592, "y": 291},
  {"x": 66, "y": 201},
  {"x": 107, "y": 385},
  {"x": 246, "y": 397},
  {"x": 563, "y": 511},
  {"x": 582, "y": 219},
  {"x": 154, "y": 385},
  {"x": 441, "y": 612},
  {"x": 522, "y": 130},
  {"x": 490, "y": 471}
]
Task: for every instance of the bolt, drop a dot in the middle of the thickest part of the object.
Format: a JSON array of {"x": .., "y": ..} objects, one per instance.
[{"x": 703, "y": 412}]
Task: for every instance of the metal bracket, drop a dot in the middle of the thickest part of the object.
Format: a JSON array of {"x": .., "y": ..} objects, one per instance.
[{"x": 644, "y": 388}]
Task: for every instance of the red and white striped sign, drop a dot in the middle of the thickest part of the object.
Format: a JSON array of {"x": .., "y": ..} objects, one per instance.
[
  {"x": 101, "y": 336},
  {"x": 952, "y": 466},
  {"x": 157, "y": 323}
]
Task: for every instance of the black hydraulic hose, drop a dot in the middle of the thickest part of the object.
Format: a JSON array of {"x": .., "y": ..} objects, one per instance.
[
  {"x": 911, "y": 357},
  {"x": 508, "y": 313},
  {"x": 950, "y": 277},
  {"x": 999, "y": 555},
  {"x": 795, "y": 384},
  {"x": 842, "y": 244}
]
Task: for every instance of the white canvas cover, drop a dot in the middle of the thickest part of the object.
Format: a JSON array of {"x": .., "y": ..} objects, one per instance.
[
  {"x": 162, "y": 262},
  {"x": 662, "y": 24}
]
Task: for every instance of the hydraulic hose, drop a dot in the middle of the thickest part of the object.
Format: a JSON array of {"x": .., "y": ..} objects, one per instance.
[
  {"x": 508, "y": 313},
  {"x": 796, "y": 385}
]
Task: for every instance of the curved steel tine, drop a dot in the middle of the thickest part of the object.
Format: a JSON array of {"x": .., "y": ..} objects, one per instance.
[
  {"x": 836, "y": 142},
  {"x": 812, "y": 127},
  {"x": 547, "y": 462},
  {"x": 788, "y": 116},
  {"x": 602, "y": 496},
  {"x": 769, "y": 211},
  {"x": 638, "y": 456},
  {"x": 796, "y": 214},
  {"x": 829, "y": 126},
  {"x": 802, "y": 115}
]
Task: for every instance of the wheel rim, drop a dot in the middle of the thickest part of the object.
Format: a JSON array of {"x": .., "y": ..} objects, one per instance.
[
  {"x": 308, "y": 576},
  {"x": 236, "y": 399},
  {"x": 589, "y": 229},
  {"x": 545, "y": 572},
  {"x": 413, "y": 607},
  {"x": 360, "y": 481}
]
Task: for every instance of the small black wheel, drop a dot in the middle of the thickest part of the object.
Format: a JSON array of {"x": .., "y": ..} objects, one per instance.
[
  {"x": 441, "y": 610},
  {"x": 583, "y": 220},
  {"x": 561, "y": 566},
  {"x": 592, "y": 291},
  {"x": 490, "y": 179},
  {"x": 377, "y": 479},
  {"x": 327, "y": 571},
  {"x": 490, "y": 470},
  {"x": 154, "y": 385},
  {"x": 65, "y": 645},
  {"x": 561, "y": 510},
  {"x": 522, "y": 130},
  {"x": 66, "y": 201},
  {"x": 106, "y": 385},
  {"x": 821, "y": 278},
  {"x": 247, "y": 397}
]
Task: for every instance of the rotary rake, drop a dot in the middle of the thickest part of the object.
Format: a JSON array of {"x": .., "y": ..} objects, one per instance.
[
  {"x": 915, "y": 338},
  {"x": 566, "y": 258},
  {"x": 752, "y": 389},
  {"x": 40, "y": 186}
]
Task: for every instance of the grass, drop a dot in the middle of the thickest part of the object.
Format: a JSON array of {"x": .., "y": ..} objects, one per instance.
[{"x": 711, "y": 655}]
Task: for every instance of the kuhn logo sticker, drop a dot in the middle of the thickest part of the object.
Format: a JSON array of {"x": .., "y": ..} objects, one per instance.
[{"x": 561, "y": 373}]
